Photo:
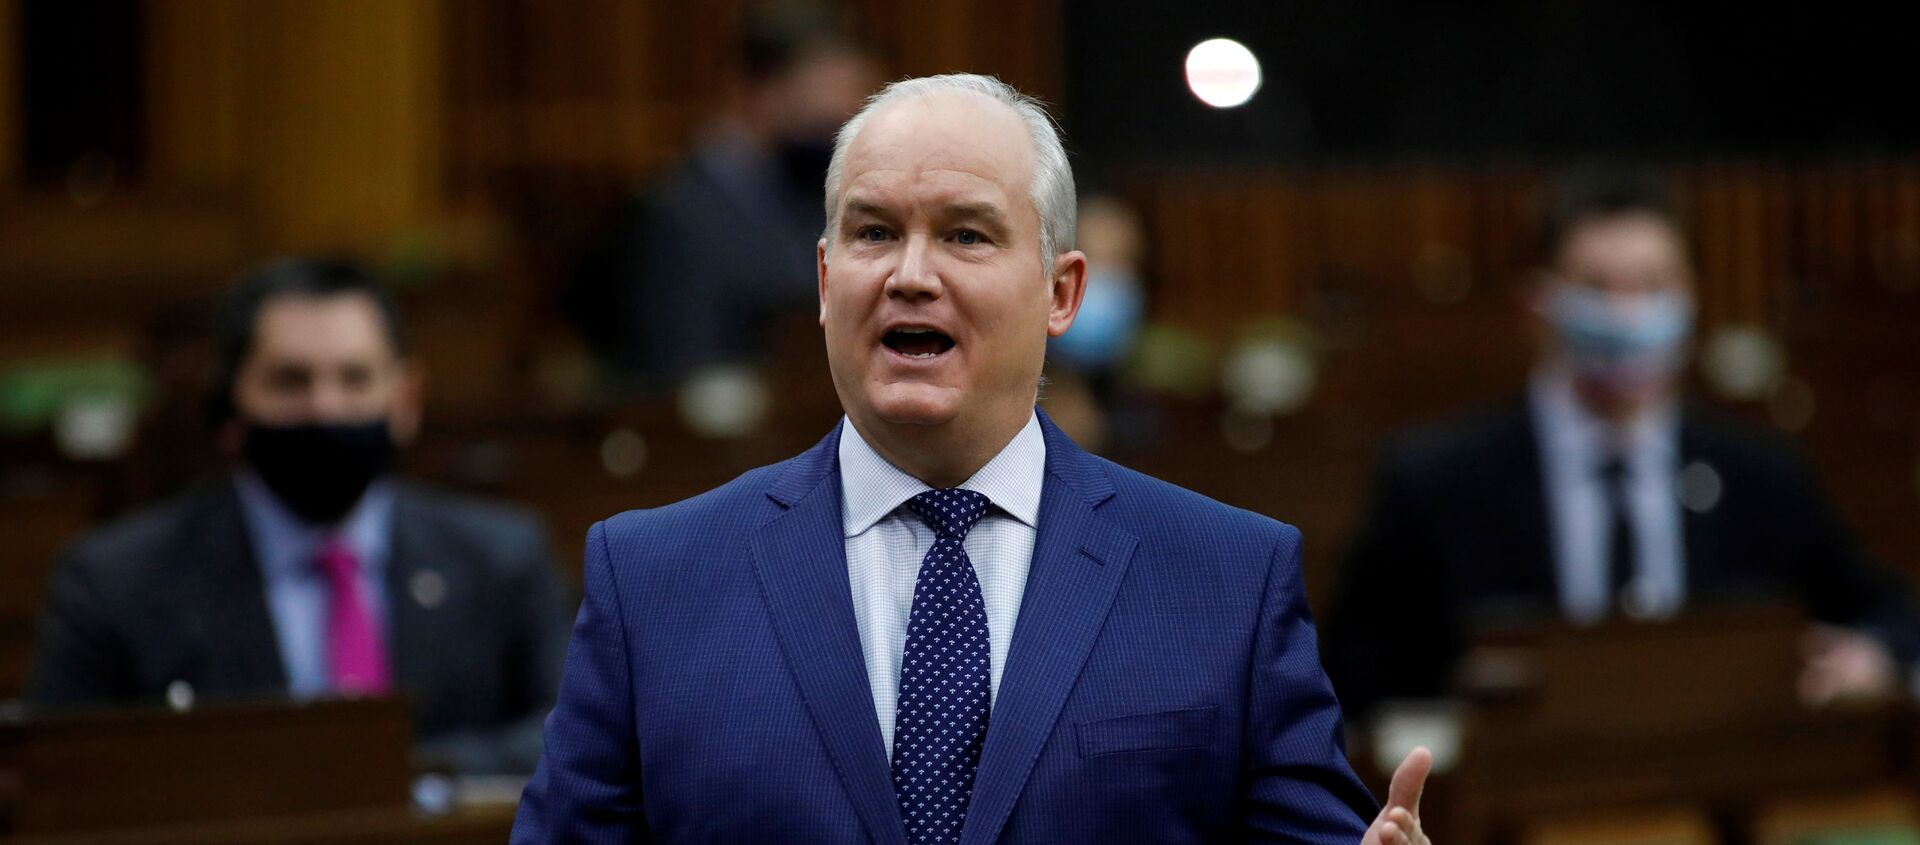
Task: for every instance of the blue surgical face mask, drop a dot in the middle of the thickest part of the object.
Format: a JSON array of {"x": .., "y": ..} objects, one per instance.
[
  {"x": 1621, "y": 340},
  {"x": 1103, "y": 331}
]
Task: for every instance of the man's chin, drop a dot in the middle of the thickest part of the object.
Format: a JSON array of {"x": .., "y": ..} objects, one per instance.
[
  {"x": 1622, "y": 396},
  {"x": 917, "y": 405},
  {"x": 915, "y": 416}
]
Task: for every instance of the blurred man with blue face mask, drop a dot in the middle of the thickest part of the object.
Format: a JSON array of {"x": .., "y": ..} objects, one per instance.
[
  {"x": 1600, "y": 494},
  {"x": 1115, "y": 302},
  {"x": 1616, "y": 304}
]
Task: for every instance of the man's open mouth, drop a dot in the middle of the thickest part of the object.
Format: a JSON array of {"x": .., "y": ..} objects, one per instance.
[{"x": 917, "y": 343}]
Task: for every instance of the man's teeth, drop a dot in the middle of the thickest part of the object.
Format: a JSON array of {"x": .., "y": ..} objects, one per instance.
[{"x": 905, "y": 332}]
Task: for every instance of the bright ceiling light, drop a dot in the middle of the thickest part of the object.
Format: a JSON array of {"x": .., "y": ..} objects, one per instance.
[{"x": 1222, "y": 72}]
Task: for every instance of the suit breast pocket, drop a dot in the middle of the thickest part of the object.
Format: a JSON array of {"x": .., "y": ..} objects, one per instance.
[{"x": 1190, "y": 727}]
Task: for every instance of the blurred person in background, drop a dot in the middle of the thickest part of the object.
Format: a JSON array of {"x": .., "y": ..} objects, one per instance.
[
  {"x": 1084, "y": 365},
  {"x": 1600, "y": 493},
  {"x": 1115, "y": 304},
  {"x": 311, "y": 570},
  {"x": 710, "y": 259}
]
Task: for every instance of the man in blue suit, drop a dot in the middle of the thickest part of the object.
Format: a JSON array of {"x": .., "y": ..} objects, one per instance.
[{"x": 947, "y": 623}]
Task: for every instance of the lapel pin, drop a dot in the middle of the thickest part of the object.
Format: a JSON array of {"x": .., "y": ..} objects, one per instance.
[
  {"x": 429, "y": 588},
  {"x": 1698, "y": 487},
  {"x": 180, "y": 696}
]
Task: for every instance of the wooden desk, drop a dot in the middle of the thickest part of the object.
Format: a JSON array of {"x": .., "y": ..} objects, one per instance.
[
  {"x": 1626, "y": 720},
  {"x": 488, "y": 825},
  {"x": 313, "y": 771}
]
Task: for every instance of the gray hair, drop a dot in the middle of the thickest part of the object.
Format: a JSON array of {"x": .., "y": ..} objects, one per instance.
[{"x": 1052, "y": 187}]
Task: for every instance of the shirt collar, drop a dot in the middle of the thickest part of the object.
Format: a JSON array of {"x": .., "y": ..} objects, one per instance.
[
  {"x": 1567, "y": 428},
  {"x": 871, "y": 488},
  {"x": 286, "y": 545}
]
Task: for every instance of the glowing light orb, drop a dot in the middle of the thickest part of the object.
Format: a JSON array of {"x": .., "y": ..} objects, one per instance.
[{"x": 1222, "y": 72}]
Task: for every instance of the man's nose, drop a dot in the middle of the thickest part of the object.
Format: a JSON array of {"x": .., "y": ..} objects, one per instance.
[
  {"x": 916, "y": 276},
  {"x": 330, "y": 401}
]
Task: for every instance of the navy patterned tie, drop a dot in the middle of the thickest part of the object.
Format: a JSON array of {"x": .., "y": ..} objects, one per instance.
[{"x": 941, "y": 723}]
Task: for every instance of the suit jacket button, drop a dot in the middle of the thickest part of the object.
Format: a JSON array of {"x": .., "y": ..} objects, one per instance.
[
  {"x": 180, "y": 696},
  {"x": 1698, "y": 487},
  {"x": 429, "y": 588}
]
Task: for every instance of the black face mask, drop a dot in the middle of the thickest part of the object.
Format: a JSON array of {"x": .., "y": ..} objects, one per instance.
[
  {"x": 804, "y": 162},
  {"x": 319, "y": 470}
]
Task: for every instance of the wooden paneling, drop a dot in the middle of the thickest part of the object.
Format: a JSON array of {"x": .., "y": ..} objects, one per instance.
[
  {"x": 1234, "y": 245},
  {"x": 1411, "y": 277},
  {"x": 321, "y": 120},
  {"x": 620, "y": 87},
  {"x": 355, "y": 160},
  {"x": 279, "y": 126},
  {"x": 196, "y": 90}
]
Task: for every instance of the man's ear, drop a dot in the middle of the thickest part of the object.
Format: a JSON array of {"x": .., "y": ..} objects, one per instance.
[
  {"x": 1068, "y": 285},
  {"x": 409, "y": 400},
  {"x": 1530, "y": 303},
  {"x": 1532, "y": 296},
  {"x": 820, "y": 268},
  {"x": 231, "y": 435}
]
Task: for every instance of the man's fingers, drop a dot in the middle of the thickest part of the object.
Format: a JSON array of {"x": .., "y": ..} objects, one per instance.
[
  {"x": 1393, "y": 834},
  {"x": 1819, "y": 639},
  {"x": 1408, "y": 825},
  {"x": 1817, "y": 685},
  {"x": 1410, "y": 780}
]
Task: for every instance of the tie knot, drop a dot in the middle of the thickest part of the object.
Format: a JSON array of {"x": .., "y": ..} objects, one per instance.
[
  {"x": 337, "y": 560},
  {"x": 1614, "y": 469},
  {"x": 951, "y": 512}
]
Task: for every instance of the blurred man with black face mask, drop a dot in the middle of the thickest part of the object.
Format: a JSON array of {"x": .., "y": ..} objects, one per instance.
[
  {"x": 715, "y": 253},
  {"x": 1601, "y": 495},
  {"x": 311, "y": 570}
]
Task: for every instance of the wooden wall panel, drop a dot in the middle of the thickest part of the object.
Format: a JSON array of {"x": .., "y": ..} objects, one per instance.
[
  {"x": 354, "y": 159},
  {"x": 320, "y": 121},
  {"x": 620, "y": 87},
  {"x": 195, "y": 90},
  {"x": 1823, "y": 256},
  {"x": 279, "y": 126},
  {"x": 1234, "y": 246}
]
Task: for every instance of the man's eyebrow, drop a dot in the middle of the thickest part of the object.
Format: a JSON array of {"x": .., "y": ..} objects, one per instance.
[
  {"x": 987, "y": 214},
  {"x": 983, "y": 211},
  {"x": 866, "y": 207}
]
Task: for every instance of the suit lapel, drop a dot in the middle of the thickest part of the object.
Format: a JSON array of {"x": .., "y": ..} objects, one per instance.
[
  {"x": 243, "y": 647},
  {"x": 1079, "y": 558},
  {"x": 800, "y": 559},
  {"x": 1519, "y": 478},
  {"x": 411, "y": 635},
  {"x": 1702, "y": 552}
]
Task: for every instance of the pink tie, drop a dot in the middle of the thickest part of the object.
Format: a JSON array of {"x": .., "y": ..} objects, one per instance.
[{"x": 356, "y": 659}]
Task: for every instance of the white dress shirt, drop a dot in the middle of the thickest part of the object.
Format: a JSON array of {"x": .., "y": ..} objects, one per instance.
[
  {"x": 287, "y": 547},
  {"x": 1574, "y": 444},
  {"x": 886, "y": 541}
]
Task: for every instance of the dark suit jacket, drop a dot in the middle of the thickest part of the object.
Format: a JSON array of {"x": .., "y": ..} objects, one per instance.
[
  {"x": 174, "y": 594},
  {"x": 1162, "y": 685},
  {"x": 1457, "y": 539}
]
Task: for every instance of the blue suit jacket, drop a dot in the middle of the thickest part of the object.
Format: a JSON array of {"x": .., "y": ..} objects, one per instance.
[{"x": 1162, "y": 685}]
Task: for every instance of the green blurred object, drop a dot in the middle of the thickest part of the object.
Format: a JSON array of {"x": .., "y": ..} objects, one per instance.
[
  {"x": 32, "y": 393},
  {"x": 1172, "y": 360},
  {"x": 1280, "y": 329},
  {"x": 1891, "y": 835},
  {"x": 414, "y": 260},
  {"x": 1272, "y": 367}
]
